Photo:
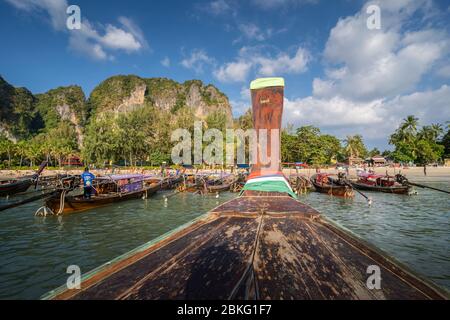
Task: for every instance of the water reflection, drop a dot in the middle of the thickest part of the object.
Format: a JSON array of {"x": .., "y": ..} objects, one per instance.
[{"x": 36, "y": 251}]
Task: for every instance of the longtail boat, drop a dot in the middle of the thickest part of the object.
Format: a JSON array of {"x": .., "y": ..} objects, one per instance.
[
  {"x": 329, "y": 184},
  {"x": 167, "y": 183},
  {"x": 379, "y": 183},
  {"x": 262, "y": 245},
  {"x": 300, "y": 183},
  {"x": 15, "y": 186},
  {"x": 109, "y": 189},
  {"x": 220, "y": 184}
]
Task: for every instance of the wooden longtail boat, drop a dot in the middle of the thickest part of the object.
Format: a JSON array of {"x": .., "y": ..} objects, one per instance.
[
  {"x": 15, "y": 186},
  {"x": 262, "y": 245},
  {"x": 300, "y": 183},
  {"x": 326, "y": 183},
  {"x": 108, "y": 190},
  {"x": 379, "y": 183},
  {"x": 220, "y": 185},
  {"x": 167, "y": 183}
]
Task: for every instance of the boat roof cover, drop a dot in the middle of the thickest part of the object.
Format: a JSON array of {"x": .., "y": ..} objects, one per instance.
[
  {"x": 272, "y": 183},
  {"x": 124, "y": 176},
  {"x": 266, "y": 82},
  {"x": 369, "y": 175}
]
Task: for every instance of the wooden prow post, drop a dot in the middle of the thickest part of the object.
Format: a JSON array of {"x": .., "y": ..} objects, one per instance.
[{"x": 267, "y": 104}]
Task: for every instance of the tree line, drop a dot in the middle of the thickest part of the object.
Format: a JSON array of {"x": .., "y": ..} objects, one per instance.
[{"x": 142, "y": 137}]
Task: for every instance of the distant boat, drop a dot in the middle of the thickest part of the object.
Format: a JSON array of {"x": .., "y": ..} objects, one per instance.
[
  {"x": 221, "y": 184},
  {"x": 15, "y": 186},
  {"x": 109, "y": 189},
  {"x": 332, "y": 185},
  {"x": 379, "y": 183},
  {"x": 300, "y": 183},
  {"x": 167, "y": 183}
]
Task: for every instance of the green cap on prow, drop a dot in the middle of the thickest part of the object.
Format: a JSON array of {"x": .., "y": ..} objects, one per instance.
[{"x": 266, "y": 82}]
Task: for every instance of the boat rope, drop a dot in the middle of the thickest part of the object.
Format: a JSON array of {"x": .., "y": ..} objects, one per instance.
[
  {"x": 43, "y": 212},
  {"x": 250, "y": 270},
  {"x": 62, "y": 201}
]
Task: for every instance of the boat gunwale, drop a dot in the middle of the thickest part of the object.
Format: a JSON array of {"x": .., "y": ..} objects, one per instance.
[
  {"x": 390, "y": 263},
  {"x": 144, "y": 249},
  {"x": 402, "y": 272},
  {"x": 380, "y": 188}
]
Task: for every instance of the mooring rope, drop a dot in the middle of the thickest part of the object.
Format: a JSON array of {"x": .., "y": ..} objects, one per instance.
[{"x": 250, "y": 267}]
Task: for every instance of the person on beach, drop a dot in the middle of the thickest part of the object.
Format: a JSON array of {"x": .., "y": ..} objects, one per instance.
[
  {"x": 87, "y": 181},
  {"x": 424, "y": 169}
]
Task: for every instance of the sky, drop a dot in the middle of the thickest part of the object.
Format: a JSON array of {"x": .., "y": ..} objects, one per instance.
[{"x": 341, "y": 75}]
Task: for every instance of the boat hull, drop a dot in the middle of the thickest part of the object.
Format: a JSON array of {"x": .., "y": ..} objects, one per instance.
[
  {"x": 333, "y": 190},
  {"x": 234, "y": 252},
  {"x": 219, "y": 188},
  {"x": 74, "y": 204},
  {"x": 15, "y": 187},
  {"x": 395, "y": 189}
]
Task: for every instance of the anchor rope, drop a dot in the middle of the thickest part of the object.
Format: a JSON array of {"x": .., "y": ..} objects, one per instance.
[{"x": 250, "y": 267}]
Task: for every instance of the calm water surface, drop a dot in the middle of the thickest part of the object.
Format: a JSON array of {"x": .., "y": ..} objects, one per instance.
[{"x": 36, "y": 251}]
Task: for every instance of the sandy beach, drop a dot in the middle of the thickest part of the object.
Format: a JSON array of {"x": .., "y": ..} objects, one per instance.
[{"x": 416, "y": 173}]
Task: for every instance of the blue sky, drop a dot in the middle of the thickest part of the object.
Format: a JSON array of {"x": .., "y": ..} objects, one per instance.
[{"x": 340, "y": 76}]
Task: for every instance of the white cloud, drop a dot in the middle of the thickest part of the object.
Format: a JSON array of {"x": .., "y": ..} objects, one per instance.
[
  {"x": 93, "y": 40},
  {"x": 283, "y": 63},
  {"x": 371, "y": 77},
  {"x": 116, "y": 38},
  {"x": 196, "y": 61},
  {"x": 218, "y": 7},
  {"x": 373, "y": 64},
  {"x": 252, "y": 31},
  {"x": 54, "y": 9},
  {"x": 444, "y": 72},
  {"x": 233, "y": 71},
  {"x": 271, "y": 4},
  {"x": 240, "y": 107},
  {"x": 375, "y": 119},
  {"x": 166, "y": 62},
  {"x": 257, "y": 58}
]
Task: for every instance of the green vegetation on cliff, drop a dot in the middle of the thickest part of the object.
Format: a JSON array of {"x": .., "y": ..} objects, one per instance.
[
  {"x": 62, "y": 104},
  {"x": 18, "y": 117}
]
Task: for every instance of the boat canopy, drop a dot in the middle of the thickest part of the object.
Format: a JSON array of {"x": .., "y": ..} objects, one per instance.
[
  {"x": 272, "y": 183},
  {"x": 125, "y": 177},
  {"x": 368, "y": 175}
]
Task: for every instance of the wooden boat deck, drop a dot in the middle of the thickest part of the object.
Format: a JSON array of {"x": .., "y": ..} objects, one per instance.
[{"x": 258, "y": 246}]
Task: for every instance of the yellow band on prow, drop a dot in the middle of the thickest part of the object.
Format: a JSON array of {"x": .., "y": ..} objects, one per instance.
[{"x": 266, "y": 82}]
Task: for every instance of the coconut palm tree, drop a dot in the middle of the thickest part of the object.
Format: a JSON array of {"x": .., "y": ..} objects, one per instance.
[{"x": 354, "y": 146}]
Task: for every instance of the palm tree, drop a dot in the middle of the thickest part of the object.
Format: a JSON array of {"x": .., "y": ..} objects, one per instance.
[
  {"x": 8, "y": 147},
  {"x": 407, "y": 131},
  {"x": 21, "y": 149},
  {"x": 437, "y": 129},
  {"x": 354, "y": 146},
  {"x": 430, "y": 133}
]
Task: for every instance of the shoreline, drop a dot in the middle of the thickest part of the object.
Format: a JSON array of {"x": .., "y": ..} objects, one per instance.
[{"x": 436, "y": 173}]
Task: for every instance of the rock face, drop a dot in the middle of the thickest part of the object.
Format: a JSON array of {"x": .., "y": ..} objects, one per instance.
[
  {"x": 205, "y": 100},
  {"x": 23, "y": 114},
  {"x": 126, "y": 93},
  {"x": 64, "y": 104}
]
